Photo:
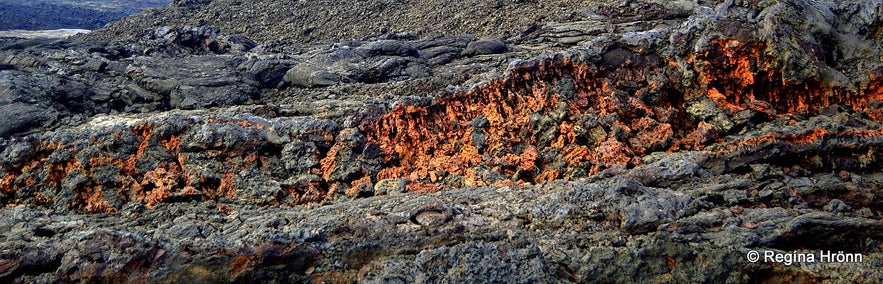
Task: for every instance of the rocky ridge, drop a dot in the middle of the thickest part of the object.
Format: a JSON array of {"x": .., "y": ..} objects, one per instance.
[
  {"x": 659, "y": 146},
  {"x": 328, "y": 21},
  {"x": 64, "y": 14}
]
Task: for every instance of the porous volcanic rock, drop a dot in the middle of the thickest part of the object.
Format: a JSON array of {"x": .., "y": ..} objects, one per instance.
[
  {"x": 634, "y": 141},
  {"x": 332, "y": 21}
]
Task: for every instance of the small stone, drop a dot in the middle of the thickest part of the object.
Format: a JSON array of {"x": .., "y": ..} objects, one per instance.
[
  {"x": 390, "y": 186},
  {"x": 479, "y": 122},
  {"x": 483, "y": 47},
  {"x": 432, "y": 215},
  {"x": 865, "y": 212},
  {"x": 837, "y": 206},
  {"x": 310, "y": 77},
  {"x": 707, "y": 111}
]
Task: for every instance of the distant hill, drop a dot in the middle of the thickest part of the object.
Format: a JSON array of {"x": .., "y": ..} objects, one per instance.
[
  {"x": 330, "y": 20},
  {"x": 61, "y": 14}
]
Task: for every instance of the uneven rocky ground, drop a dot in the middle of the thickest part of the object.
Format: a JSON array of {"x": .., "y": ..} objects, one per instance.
[
  {"x": 329, "y": 21},
  {"x": 68, "y": 14},
  {"x": 610, "y": 141}
]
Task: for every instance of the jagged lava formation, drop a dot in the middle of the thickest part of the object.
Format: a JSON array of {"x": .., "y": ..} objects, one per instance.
[
  {"x": 548, "y": 119},
  {"x": 644, "y": 147},
  {"x": 559, "y": 116},
  {"x": 552, "y": 118}
]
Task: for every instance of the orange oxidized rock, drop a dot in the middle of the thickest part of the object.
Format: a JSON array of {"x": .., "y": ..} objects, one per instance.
[
  {"x": 546, "y": 118},
  {"x": 738, "y": 75}
]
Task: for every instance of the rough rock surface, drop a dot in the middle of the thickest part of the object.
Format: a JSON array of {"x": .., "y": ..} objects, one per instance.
[
  {"x": 642, "y": 141},
  {"x": 329, "y": 21}
]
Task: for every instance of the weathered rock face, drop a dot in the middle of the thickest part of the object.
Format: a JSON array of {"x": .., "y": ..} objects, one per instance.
[
  {"x": 329, "y": 21},
  {"x": 554, "y": 118},
  {"x": 668, "y": 144},
  {"x": 172, "y": 158}
]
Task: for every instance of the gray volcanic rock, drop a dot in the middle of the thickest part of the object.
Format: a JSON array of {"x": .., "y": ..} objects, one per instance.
[
  {"x": 19, "y": 117},
  {"x": 482, "y": 47},
  {"x": 329, "y": 21},
  {"x": 218, "y": 84},
  {"x": 563, "y": 231},
  {"x": 617, "y": 141},
  {"x": 177, "y": 68}
]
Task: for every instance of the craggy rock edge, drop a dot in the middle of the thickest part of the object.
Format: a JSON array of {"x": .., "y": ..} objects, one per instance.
[{"x": 783, "y": 144}]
